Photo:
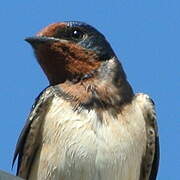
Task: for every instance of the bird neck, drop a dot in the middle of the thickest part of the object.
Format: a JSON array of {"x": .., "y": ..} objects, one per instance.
[{"x": 104, "y": 89}]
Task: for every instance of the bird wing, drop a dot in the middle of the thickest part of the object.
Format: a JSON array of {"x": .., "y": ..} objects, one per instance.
[
  {"x": 29, "y": 138},
  {"x": 150, "y": 160}
]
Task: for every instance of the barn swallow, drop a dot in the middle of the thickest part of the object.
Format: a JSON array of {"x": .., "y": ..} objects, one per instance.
[{"x": 87, "y": 124}]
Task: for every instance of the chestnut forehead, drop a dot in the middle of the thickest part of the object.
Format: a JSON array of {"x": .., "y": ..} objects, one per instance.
[{"x": 50, "y": 30}]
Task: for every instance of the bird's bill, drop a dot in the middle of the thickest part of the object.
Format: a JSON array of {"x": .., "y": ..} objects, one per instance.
[{"x": 38, "y": 40}]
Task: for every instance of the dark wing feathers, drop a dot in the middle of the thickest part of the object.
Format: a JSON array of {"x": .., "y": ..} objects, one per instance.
[
  {"x": 155, "y": 165},
  {"x": 150, "y": 161},
  {"x": 20, "y": 144},
  {"x": 28, "y": 141}
]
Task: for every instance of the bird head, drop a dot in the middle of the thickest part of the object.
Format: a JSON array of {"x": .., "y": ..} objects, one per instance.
[
  {"x": 75, "y": 52},
  {"x": 70, "y": 51}
]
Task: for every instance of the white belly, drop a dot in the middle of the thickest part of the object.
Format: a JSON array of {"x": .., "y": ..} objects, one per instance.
[{"x": 85, "y": 147}]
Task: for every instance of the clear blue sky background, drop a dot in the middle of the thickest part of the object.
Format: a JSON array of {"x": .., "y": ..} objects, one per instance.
[{"x": 145, "y": 35}]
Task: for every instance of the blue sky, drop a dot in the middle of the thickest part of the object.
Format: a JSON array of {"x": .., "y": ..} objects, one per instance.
[{"x": 145, "y": 36}]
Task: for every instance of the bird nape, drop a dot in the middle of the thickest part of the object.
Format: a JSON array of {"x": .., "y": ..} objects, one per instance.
[{"x": 88, "y": 123}]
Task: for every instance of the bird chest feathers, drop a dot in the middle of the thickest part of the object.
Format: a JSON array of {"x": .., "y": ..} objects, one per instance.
[{"x": 84, "y": 145}]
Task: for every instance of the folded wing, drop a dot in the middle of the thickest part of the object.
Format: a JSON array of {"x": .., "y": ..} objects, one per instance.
[
  {"x": 29, "y": 139},
  {"x": 150, "y": 160}
]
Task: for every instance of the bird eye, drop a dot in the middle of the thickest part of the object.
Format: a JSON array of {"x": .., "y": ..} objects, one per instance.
[{"x": 77, "y": 34}]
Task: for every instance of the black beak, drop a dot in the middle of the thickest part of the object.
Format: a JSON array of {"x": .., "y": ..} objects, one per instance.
[{"x": 39, "y": 40}]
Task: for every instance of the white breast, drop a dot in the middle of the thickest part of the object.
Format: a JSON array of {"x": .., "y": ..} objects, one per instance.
[{"x": 82, "y": 146}]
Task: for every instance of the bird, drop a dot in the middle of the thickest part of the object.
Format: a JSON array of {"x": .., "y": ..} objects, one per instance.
[{"x": 88, "y": 124}]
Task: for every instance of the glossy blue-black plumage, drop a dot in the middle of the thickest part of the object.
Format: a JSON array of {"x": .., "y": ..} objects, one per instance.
[{"x": 94, "y": 40}]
